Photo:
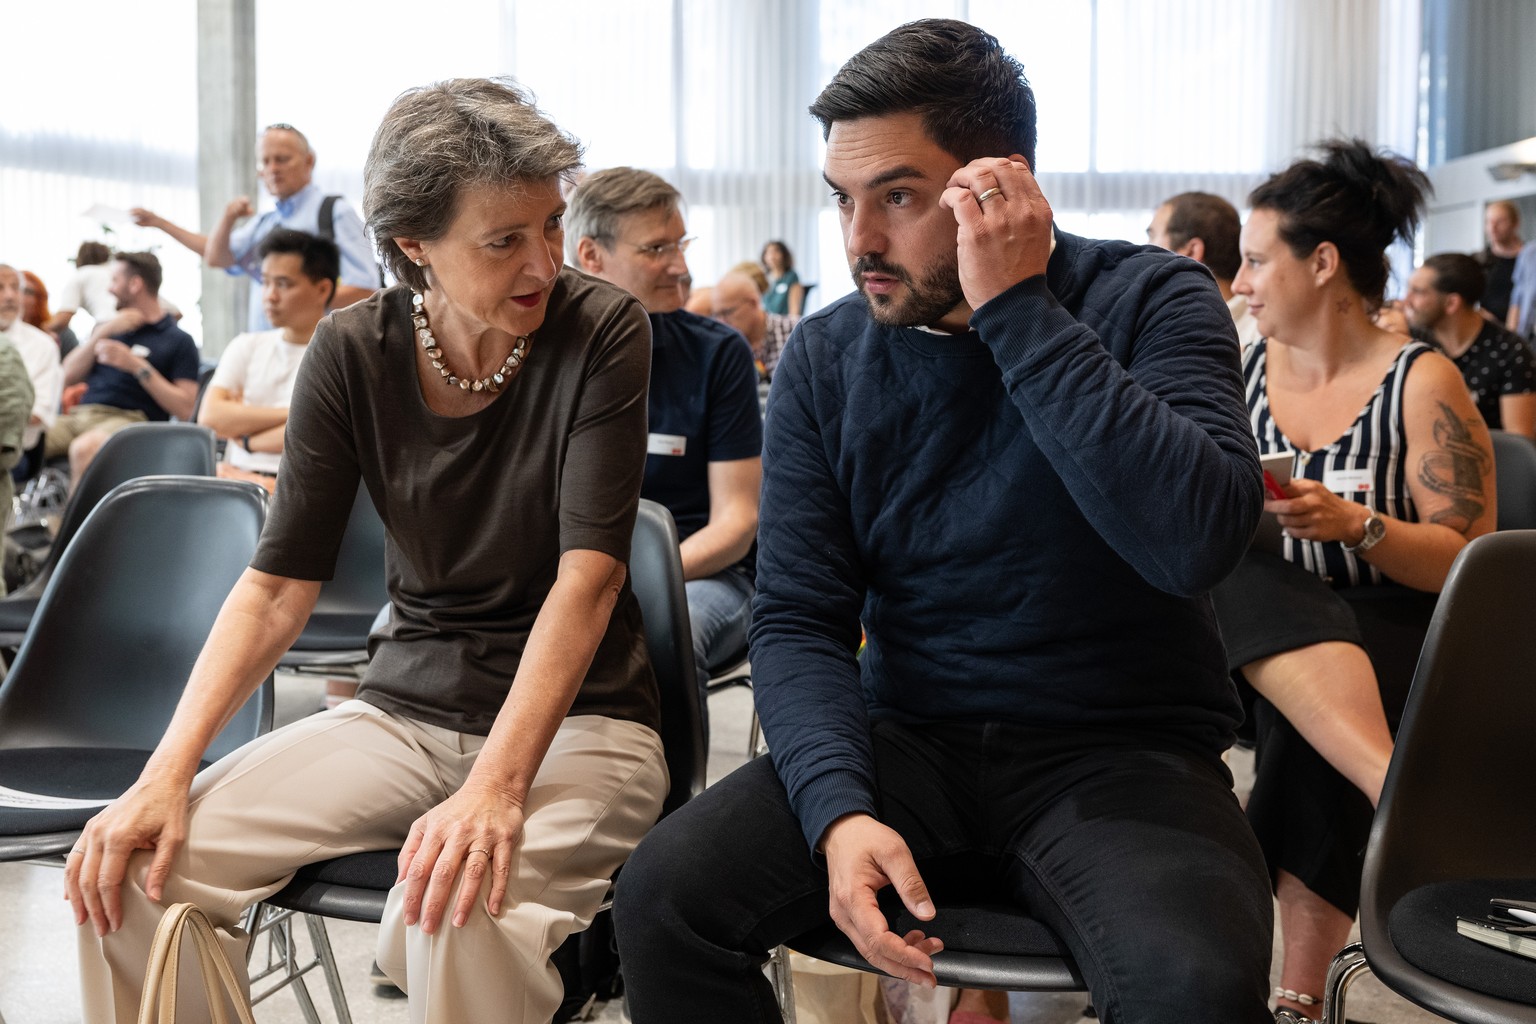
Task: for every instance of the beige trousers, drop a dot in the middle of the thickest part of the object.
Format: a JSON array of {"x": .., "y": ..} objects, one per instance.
[
  {"x": 354, "y": 779},
  {"x": 84, "y": 418}
]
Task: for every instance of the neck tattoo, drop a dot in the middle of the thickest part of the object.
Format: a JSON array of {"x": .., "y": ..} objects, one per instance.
[{"x": 493, "y": 382}]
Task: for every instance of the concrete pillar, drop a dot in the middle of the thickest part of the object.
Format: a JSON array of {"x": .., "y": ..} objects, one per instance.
[{"x": 226, "y": 148}]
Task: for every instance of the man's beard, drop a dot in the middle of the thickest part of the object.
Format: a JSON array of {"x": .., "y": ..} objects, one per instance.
[{"x": 925, "y": 302}]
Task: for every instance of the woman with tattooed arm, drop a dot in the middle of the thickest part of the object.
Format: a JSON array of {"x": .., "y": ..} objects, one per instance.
[{"x": 1392, "y": 474}]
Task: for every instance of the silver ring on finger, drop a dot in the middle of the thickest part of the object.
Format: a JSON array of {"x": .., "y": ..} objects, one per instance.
[{"x": 988, "y": 194}]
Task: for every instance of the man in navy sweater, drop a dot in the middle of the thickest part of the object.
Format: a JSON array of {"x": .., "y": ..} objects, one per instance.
[{"x": 1020, "y": 459}]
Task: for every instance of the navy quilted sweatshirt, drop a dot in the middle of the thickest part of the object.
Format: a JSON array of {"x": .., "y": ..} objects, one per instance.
[{"x": 1025, "y": 518}]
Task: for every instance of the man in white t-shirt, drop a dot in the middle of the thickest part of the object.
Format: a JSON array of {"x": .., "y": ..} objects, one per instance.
[{"x": 247, "y": 399}]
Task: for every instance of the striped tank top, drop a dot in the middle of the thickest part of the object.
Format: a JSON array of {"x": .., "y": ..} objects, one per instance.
[{"x": 1367, "y": 464}]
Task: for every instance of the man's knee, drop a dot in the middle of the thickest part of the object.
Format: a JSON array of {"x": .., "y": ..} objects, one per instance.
[
  {"x": 695, "y": 868},
  {"x": 84, "y": 448},
  {"x": 652, "y": 877}
]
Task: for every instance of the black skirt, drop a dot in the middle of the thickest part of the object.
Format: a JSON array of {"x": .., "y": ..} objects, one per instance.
[{"x": 1311, "y": 821}]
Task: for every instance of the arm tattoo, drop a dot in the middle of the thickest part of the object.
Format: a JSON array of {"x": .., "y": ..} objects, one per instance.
[{"x": 1455, "y": 469}]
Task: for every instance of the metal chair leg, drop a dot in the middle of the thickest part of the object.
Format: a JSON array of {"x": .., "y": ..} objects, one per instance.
[
  {"x": 1348, "y": 965},
  {"x": 783, "y": 981},
  {"x": 321, "y": 940},
  {"x": 283, "y": 962},
  {"x": 755, "y": 745}
]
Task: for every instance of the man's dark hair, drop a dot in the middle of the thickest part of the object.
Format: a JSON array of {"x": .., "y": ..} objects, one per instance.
[
  {"x": 1456, "y": 273},
  {"x": 973, "y": 98},
  {"x": 1354, "y": 197},
  {"x": 92, "y": 253},
  {"x": 321, "y": 258},
  {"x": 1215, "y": 222},
  {"x": 144, "y": 266}
]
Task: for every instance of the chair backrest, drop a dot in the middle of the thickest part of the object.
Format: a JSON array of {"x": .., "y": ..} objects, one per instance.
[
  {"x": 1514, "y": 463},
  {"x": 127, "y": 612},
  {"x": 656, "y": 574},
  {"x": 205, "y": 372},
  {"x": 144, "y": 449},
  {"x": 1459, "y": 794},
  {"x": 358, "y": 586}
]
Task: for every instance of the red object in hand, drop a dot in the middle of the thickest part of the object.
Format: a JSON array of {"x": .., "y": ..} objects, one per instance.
[
  {"x": 1272, "y": 488},
  {"x": 72, "y": 396}
]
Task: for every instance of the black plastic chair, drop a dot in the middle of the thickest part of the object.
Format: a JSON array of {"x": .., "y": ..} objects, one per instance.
[
  {"x": 986, "y": 946},
  {"x": 355, "y": 887},
  {"x": 144, "y": 449},
  {"x": 335, "y": 639},
  {"x": 1514, "y": 461},
  {"x": 1455, "y": 824},
  {"x": 118, "y": 628},
  {"x": 738, "y": 672}
]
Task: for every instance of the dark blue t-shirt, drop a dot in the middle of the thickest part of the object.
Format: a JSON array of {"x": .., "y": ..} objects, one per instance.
[
  {"x": 171, "y": 351},
  {"x": 703, "y": 409}
]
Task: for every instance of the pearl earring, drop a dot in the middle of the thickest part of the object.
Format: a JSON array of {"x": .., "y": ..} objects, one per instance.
[{"x": 420, "y": 262}]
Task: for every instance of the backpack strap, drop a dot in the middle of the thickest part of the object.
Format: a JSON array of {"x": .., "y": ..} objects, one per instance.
[{"x": 327, "y": 218}]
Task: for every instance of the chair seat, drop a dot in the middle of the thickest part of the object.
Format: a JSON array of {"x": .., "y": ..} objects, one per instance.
[
  {"x": 352, "y": 888},
  {"x": 1422, "y": 926},
  {"x": 985, "y": 946},
  {"x": 74, "y": 773},
  {"x": 71, "y": 773},
  {"x": 336, "y": 631}
]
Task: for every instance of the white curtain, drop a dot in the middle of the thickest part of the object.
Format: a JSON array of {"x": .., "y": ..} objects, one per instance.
[
  {"x": 101, "y": 108},
  {"x": 1139, "y": 99}
]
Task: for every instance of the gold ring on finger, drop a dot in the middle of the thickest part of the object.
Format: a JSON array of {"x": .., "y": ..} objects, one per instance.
[
  {"x": 988, "y": 194},
  {"x": 486, "y": 852}
]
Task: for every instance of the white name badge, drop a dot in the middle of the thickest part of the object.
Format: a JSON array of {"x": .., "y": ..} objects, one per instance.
[
  {"x": 666, "y": 444},
  {"x": 1349, "y": 481}
]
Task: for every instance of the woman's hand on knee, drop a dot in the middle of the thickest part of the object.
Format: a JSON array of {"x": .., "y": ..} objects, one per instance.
[
  {"x": 476, "y": 829},
  {"x": 152, "y": 815}
]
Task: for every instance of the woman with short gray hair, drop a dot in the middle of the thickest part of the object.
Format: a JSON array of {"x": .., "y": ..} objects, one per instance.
[{"x": 504, "y": 734}]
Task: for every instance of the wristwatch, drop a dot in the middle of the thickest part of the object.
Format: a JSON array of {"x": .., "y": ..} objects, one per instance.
[
  {"x": 142, "y": 374},
  {"x": 1375, "y": 529}
]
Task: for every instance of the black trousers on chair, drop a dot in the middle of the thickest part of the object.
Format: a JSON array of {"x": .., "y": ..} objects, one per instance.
[{"x": 1132, "y": 849}]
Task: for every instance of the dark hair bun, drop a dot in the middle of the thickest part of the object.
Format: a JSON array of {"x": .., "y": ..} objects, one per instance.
[
  {"x": 1356, "y": 197},
  {"x": 1391, "y": 189}
]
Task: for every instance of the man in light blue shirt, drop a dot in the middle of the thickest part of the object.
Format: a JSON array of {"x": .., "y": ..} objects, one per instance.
[
  {"x": 287, "y": 167},
  {"x": 1522, "y": 294}
]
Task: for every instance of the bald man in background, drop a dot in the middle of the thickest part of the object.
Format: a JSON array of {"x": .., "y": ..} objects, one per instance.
[{"x": 736, "y": 301}]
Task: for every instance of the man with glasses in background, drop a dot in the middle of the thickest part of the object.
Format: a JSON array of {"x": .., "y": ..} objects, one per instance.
[
  {"x": 706, "y": 437},
  {"x": 736, "y": 301},
  {"x": 287, "y": 167}
]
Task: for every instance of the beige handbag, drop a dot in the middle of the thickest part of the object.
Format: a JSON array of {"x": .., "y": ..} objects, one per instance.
[{"x": 158, "y": 1006}]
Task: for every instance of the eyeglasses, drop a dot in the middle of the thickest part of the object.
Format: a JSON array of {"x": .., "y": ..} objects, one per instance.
[{"x": 663, "y": 250}]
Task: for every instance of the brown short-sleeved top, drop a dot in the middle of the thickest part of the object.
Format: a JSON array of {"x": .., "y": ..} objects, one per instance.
[{"x": 479, "y": 508}]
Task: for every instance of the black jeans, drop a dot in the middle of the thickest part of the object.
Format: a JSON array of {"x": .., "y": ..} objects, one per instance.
[{"x": 1135, "y": 852}]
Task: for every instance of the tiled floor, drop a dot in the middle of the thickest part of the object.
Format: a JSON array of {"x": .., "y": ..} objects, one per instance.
[{"x": 37, "y": 972}]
